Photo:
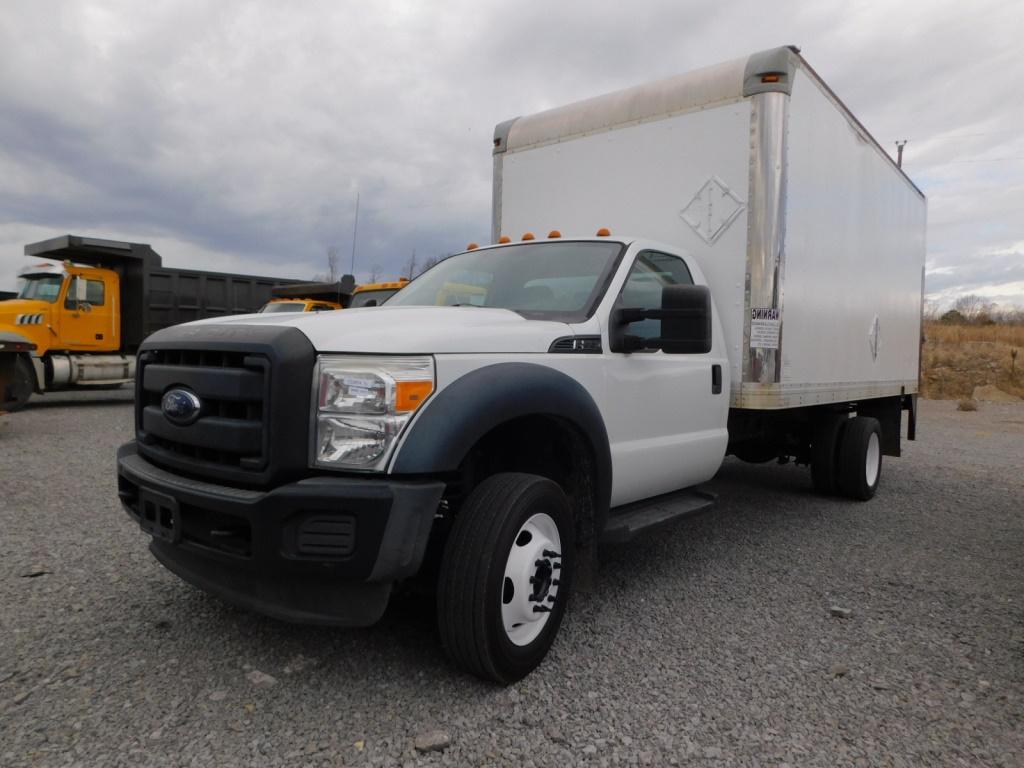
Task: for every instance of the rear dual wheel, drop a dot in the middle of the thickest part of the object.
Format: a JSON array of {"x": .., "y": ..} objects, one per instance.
[
  {"x": 505, "y": 576},
  {"x": 846, "y": 455}
]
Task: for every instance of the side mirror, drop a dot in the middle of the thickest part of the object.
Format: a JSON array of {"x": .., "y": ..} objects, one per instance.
[
  {"x": 685, "y": 316},
  {"x": 80, "y": 288},
  {"x": 686, "y": 326}
]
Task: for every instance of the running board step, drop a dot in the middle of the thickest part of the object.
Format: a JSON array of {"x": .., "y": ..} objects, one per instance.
[{"x": 627, "y": 521}]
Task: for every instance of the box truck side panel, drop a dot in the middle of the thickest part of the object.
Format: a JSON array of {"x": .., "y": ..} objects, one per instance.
[
  {"x": 854, "y": 255},
  {"x": 682, "y": 180}
]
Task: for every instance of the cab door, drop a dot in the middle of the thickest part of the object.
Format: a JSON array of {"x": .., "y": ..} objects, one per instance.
[
  {"x": 89, "y": 313},
  {"x": 667, "y": 416}
]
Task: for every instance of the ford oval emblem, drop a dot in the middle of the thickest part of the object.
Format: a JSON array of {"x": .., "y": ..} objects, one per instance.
[{"x": 181, "y": 406}]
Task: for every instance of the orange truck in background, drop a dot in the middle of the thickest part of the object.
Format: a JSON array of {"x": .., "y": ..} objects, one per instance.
[
  {"x": 322, "y": 297},
  {"x": 80, "y": 314}
]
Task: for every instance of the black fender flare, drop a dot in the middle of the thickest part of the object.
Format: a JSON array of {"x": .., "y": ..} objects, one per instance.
[{"x": 458, "y": 416}]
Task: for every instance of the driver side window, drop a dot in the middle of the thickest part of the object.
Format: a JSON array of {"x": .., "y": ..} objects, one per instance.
[
  {"x": 93, "y": 292},
  {"x": 651, "y": 272}
]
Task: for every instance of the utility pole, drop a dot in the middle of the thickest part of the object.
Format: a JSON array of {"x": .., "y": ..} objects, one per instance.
[
  {"x": 899, "y": 153},
  {"x": 355, "y": 230}
]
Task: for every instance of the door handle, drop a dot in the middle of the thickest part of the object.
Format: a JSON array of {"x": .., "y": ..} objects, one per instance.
[{"x": 716, "y": 379}]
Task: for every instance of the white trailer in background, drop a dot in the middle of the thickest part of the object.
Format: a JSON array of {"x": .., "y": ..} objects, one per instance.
[{"x": 812, "y": 240}]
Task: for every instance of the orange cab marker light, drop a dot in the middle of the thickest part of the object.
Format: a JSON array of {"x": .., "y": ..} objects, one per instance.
[
  {"x": 604, "y": 232},
  {"x": 504, "y": 239},
  {"x": 528, "y": 236},
  {"x": 774, "y": 78},
  {"x": 554, "y": 234},
  {"x": 409, "y": 395},
  {"x": 472, "y": 247}
]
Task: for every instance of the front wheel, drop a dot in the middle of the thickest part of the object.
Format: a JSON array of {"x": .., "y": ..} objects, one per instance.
[
  {"x": 15, "y": 392},
  {"x": 506, "y": 576}
]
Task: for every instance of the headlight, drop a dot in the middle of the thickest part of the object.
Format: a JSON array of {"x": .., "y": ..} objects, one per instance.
[{"x": 362, "y": 406}]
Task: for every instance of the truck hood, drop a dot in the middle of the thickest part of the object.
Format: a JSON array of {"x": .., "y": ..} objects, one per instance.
[
  {"x": 414, "y": 330},
  {"x": 10, "y": 309}
]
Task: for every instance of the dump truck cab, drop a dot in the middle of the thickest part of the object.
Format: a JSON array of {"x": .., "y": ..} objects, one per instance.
[{"x": 64, "y": 307}]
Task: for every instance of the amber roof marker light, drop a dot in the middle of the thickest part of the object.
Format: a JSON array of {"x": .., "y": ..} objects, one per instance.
[
  {"x": 528, "y": 236},
  {"x": 554, "y": 234},
  {"x": 504, "y": 239},
  {"x": 604, "y": 232},
  {"x": 472, "y": 247}
]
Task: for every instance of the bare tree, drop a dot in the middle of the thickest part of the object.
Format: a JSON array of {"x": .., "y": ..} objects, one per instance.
[
  {"x": 410, "y": 270},
  {"x": 332, "y": 264},
  {"x": 375, "y": 273},
  {"x": 974, "y": 308},
  {"x": 428, "y": 264}
]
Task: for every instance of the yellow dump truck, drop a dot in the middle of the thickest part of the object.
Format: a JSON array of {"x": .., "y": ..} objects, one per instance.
[
  {"x": 311, "y": 297},
  {"x": 375, "y": 294},
  {"x": 321, "y": 297},
  {"x": 84, "y": 305}
]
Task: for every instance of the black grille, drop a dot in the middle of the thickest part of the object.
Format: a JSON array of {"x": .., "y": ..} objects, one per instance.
[
  {"x": 253, "y": 419},
  {"x": 233, "y": 388}
]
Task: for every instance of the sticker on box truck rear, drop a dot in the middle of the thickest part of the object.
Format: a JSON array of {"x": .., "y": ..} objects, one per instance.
[{"x": 764, "y": 328}]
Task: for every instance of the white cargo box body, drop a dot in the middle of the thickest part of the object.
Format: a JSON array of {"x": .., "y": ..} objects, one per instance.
[{"x": 811, "y": 238}]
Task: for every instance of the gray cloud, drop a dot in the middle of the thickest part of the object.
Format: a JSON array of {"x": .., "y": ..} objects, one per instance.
[{"x": 236, "y": 135}]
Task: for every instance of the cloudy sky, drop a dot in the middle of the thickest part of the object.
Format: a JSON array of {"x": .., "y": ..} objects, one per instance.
[{"x": 236, "y": 135}]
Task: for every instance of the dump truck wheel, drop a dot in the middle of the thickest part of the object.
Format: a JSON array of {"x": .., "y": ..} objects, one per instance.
[
  {"x": 19, "y": 389},
  {"x": 506, "y": 576},
  {"x": 860, "y": 458},
  {"x": 825, "y": 437}
]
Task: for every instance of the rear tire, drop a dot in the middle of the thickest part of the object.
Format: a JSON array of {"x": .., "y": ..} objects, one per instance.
[
  {"x": 18, "y": 391},
  {"x": 510, "y": 550},
  {"x": 860, "y": 458},
  {"x": 827, "y": 432}
]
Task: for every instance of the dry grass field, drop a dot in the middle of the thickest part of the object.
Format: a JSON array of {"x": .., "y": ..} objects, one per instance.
[{"x": 958, "y": 358}]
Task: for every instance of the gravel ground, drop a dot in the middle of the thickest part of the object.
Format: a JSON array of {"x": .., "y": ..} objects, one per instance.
[{"x": 712, "y": 644}]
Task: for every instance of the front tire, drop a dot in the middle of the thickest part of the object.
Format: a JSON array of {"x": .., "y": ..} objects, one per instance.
[
  {"x": 506, "y": 576},
  {"x": 16, "y": 394},
  {"x": 860, "y": 458}
]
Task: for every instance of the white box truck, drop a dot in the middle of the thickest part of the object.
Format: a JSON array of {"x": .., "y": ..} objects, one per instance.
[{"x": 518, "y": 404}]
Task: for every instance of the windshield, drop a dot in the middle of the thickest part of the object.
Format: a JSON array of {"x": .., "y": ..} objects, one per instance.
[
  {"x": 284, "y": 306},
  {"x": 551, "y": 281},
  {"x": 41, "y": 287},
  {"x": 372, "y": 298}
]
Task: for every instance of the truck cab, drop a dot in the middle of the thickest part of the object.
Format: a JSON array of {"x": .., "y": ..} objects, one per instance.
[
  {"x": 589, "y": 377},
  {"x": 65, "y": 307}
]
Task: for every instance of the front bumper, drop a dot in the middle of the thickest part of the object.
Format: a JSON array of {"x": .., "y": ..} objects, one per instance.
[{"x": 324, "y": 550}]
